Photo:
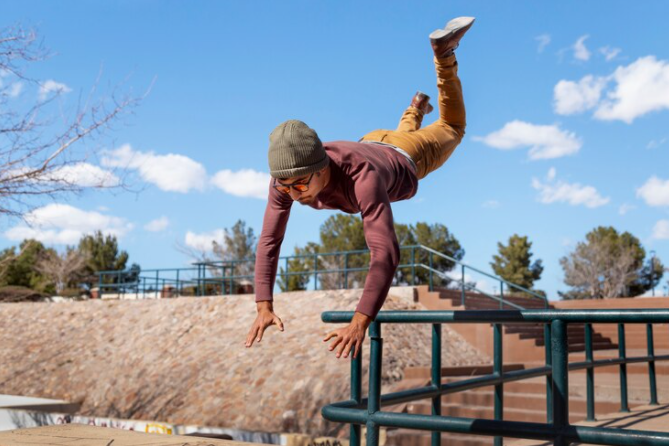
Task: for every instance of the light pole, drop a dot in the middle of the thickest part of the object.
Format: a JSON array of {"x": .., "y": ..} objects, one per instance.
[{"x": 652, "y": 270}]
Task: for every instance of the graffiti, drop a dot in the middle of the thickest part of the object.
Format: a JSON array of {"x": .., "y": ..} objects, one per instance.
[
  {"x": 23, "y": 419},
  {"x": 326, "y": 442},
  {"x": 158, "y": 428}
]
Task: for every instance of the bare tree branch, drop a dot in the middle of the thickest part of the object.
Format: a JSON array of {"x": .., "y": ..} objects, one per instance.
[{"x": 40, "y": 157}]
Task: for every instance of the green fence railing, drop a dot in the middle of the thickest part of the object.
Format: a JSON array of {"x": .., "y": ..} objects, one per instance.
[
  {"x": 368, "y": 411},
  {"x": 419, "y": 265}
]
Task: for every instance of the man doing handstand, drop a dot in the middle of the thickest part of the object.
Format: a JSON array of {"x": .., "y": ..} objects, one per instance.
[{"x": 359, "y": 177}]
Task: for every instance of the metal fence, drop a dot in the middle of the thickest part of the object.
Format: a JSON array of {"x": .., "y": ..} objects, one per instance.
[
  {"x": 419, "y": 264},
  {"x": 360, "y": 411}
]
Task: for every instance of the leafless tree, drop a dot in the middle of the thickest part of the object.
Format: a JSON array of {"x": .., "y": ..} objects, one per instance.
[
  {"x": 44, "y": 148},
  {"x": 196, "y": 254},
  {"x": 598, "y": 274},
  {"x": 62, "y": 268}
]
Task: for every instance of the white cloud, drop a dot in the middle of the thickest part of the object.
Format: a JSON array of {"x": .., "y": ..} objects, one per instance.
[
  {"x": 609, "y": 52},
  {"x": 480, "y": 284},
  {"x": 654, "y": 144},
  {"x": 544, "y": 141},
  {"x": 641, "y": 87},
  {"x": 52, "y": 86},
  {"x": 581, "y": 52},
  {"x": 491, "y": 204},
  {"x": 575, "y": 194},
  {"x": 64, "y": 224},
  {"x": 575, "y": 97},
  {"x": 171, "y": 172},
  {"x": 15, "y": 89},
  {"x": 552, "y": 173},
  {"x": 203, "y": 241},
  {"x": 661, "y": 230},
  {"x": 84, "y": 175},
  {"x": 157, "y": 225},
  {"x": 625, "y": 208},
  {"x": 243, "y": 183},
  {"x": 655, "y": 192},
  {"x": 543, "y": 41}
]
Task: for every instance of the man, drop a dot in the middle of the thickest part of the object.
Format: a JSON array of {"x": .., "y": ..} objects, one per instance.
[{"x": 365, "y": 176}]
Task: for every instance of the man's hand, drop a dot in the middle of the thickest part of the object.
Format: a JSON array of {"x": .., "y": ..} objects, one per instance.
[
  {"x": 265, "y": 318},
  {"x": 350, "y": 336}
]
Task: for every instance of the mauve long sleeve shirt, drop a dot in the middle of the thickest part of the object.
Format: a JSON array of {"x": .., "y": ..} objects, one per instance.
[{"x": 365, "y": 179}]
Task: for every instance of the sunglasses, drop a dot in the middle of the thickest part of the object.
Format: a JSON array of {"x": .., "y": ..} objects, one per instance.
[{"x": 285, "y": 188}]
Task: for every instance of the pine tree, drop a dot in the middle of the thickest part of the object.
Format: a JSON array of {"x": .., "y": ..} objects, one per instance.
[
  {"x": 514, "y": 263},
  {"x": 102, "y": 254},
  {"x": 18, "y": 269}
]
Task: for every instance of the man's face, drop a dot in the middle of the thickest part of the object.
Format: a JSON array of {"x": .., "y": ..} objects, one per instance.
[{"x": 314, "y": 184}]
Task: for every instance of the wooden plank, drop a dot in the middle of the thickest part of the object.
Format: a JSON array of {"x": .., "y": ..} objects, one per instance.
[{"x": 83, "y": 435}]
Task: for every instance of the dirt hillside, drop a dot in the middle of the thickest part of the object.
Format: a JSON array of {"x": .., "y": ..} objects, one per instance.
[{"x": 184, "y": 361}]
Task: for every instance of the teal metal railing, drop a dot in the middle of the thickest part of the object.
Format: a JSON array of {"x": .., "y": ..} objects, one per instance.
[
  {"x": 368, "y": 411},
  {"x": 223, "y": 277}
]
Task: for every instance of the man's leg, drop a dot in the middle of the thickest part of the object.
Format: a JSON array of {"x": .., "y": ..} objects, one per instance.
[
  {"x": 413, "y": 116},
  {"x": 411, "y": 120},
  {"x": 431, "y": 146},
  {"x": 439, "y": 139}
]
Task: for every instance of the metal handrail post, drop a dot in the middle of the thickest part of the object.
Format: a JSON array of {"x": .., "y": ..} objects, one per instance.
[
  {"x": 549, "y": 378},
  {"x": 199, "y": 280},
  {"x": 413, "y": 265},
  {"x": 374, "y": 393},
  {"x": 462, "y": 283},
  {"x": 651, "y": 365},
  {"x": 346, "y": 271},
  {"x": 286, "y": 275},
  {"x": 436, "y": 378},
  {"x": 560, "y": 353},
  {"x": 356, "y": 395},
  {"x": 431, "y": 274},
  {"x": 498, "y": 369},
  {"x": 622, "y": 354},
  {"x": 501, "y": 295},
  {"x": 590, "y": 374},
  {"x": 315, "y": 271}
]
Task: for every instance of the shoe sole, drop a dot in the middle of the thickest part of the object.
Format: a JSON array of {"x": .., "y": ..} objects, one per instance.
[{"x": 454, "y": 27}]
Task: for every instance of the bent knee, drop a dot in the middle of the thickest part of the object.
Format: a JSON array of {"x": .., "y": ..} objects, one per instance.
[{"x": 459, "y": 132}]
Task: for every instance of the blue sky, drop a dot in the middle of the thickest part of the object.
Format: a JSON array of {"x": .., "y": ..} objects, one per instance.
[{"x": 568, "y": 106}]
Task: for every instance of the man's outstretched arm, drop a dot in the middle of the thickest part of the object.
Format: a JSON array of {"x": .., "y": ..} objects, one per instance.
[
  {"x": 377, "y": 219},
  {"x": 274, "y": 226}
]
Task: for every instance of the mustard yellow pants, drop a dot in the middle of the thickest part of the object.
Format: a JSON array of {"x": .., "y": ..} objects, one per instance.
[{"x": 431, "y": 146}]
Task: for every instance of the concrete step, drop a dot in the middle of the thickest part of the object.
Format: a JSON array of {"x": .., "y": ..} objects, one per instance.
[
  {"x": 529, "y": 401},
  {"x": 459, "y": 371},
  {"x": 405, "y": 437},
  {"x": 486, "y": 412}
]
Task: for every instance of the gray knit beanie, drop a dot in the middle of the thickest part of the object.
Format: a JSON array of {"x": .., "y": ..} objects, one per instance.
[{"x": 295, "y": 150}]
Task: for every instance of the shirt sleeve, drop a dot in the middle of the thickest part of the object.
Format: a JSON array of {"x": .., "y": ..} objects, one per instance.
[
  {"x": 377, "y": 219},
  {"x": 269, "y": 243}
]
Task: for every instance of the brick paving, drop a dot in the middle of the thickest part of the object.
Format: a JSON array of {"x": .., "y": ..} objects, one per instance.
[{"x": 642, "y": 418}]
